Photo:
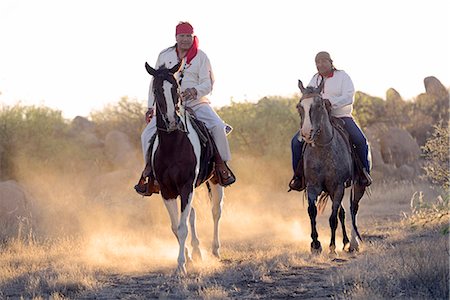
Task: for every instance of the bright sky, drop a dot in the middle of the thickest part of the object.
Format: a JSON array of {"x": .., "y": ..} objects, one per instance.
[{"x": 79, "y": 55}]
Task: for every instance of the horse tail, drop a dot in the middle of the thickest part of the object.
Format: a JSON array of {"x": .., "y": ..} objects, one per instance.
[
  {"x": 352, "y": 198},
  {"x": 322, "y": 201}
]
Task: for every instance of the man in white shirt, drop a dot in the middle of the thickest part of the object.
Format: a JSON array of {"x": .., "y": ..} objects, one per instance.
[
  {"x": 338, "y": 88},
  {"x": 196, "y": 81}
]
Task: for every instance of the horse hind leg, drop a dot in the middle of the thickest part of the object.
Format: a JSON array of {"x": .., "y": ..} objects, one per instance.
[
  {"x": 356, "y": 194},
  {"x": 195, "y": 242},
  {"x": 215, "y": 192},
  {"x": 346, "y": 241}
]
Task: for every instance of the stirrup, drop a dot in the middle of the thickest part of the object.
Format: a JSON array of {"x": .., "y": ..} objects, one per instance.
[
  {"x": 366, "y": 180},
  {"x": 224, "y": 175},
  {"x": 147, "y": 188},
  {"x": 296, "y": 184}
]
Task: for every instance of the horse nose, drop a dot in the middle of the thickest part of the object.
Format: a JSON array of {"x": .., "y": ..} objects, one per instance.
[{"x": 305, "y": 133}]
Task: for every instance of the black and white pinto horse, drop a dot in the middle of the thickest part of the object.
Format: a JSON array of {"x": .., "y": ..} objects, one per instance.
[
  {"x": 176, "y": 163},
  {"x": 328, "y": 165}
]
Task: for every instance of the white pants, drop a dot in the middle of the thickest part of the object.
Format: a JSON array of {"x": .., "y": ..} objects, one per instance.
[{"x": 213, "y": 122}]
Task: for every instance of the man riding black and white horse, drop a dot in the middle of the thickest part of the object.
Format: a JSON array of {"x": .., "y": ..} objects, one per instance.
[{"x": 196, "y": 81}]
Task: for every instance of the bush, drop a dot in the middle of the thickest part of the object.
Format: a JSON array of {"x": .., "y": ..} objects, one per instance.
[
  {"x": 128, "y": 116},
  {"x": 436, "y": 153}
]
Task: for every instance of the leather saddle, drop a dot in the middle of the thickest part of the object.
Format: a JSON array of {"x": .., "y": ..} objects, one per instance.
[{"x": 207, "y": 146}]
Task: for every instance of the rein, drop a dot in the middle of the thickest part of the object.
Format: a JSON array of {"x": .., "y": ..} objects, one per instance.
[
  {"x": 167, "y": 127},
  {"x": 327, "y": 143}
]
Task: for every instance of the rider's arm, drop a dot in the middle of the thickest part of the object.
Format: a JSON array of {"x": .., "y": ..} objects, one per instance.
[
  {"x": 205, "y": 78},
  {"x": 345, "y": 97}
]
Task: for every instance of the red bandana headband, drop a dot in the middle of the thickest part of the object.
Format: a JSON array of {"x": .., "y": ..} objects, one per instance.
[{"x": 184, "y": 28}]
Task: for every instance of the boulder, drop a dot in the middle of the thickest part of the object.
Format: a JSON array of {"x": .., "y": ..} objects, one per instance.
[
  {"x": 434, "y": 87},
  {"x": 83, "y": 131},
  {"x": 398, "y": 147},
  {"x": 82, "y": 124},
  {"x": 16, "y": 211},
  {"x": 393, "y": 96}
]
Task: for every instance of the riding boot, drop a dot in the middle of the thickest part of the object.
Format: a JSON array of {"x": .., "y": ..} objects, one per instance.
[
  {"x": 366, "y": 179},
  {"x": 297, "y": 182},
  {"x": 224, "y": 174},
  {"x": 147, "y": 188}
]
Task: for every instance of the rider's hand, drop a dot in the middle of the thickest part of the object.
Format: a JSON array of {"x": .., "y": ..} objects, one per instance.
[
  {"x": 149, "y": 115},
  {"x": 189, "y": 94}
]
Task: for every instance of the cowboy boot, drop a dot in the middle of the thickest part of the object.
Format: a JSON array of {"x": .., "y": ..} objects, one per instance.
[
  {"x": 224, "y": 174},
  {"x": 366, "y": 179},
  {"x": 297, "y": 183},
  {"x": 147, "y": 188}
]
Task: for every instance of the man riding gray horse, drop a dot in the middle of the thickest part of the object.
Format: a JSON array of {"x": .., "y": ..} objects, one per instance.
[{"x": 338, "y": 89}]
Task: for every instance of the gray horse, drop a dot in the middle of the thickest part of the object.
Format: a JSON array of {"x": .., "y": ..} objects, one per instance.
[{"x": 328, "y": 167}]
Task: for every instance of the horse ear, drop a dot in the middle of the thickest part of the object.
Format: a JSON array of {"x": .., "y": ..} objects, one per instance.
[
  {"x": 149, "y": 69},
  {"x": 321, "y": 85},
  {"x": 176, "y": 68},
  {"x": 300, "y": 86},
  {"x": 327, "y": 105}
]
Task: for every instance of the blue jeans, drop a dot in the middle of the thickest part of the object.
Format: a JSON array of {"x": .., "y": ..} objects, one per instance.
[{"x": 357, "y": 139}]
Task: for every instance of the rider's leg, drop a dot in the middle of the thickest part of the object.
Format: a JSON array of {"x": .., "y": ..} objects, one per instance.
[
  {"x": 143, "y": 187},
  {"x": 216, "y": 126},
  {"x": 358, "y": 139},
  {"x": 297, "y": 182}
]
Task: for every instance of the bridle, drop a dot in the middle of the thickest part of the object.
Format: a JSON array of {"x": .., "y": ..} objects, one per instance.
[
  {"x": 159, "y": 93},
  {"x": 314, "y": 141}
]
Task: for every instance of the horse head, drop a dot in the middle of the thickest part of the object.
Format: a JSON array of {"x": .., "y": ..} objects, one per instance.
[
  {"x": 167, "y": 96},
  {"x": 313, "y": 110}
]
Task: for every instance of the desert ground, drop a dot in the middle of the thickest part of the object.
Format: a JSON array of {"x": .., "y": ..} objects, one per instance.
[{"x": 119, "y": 245}]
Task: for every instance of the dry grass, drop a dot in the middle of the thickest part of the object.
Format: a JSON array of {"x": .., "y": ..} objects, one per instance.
[
  {"x": 115, "y": 244},
  {"x": 410, "y": 262}
]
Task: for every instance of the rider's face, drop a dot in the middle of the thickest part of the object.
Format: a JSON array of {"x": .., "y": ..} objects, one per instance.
[
  {"x": 323, "y": 66},
  {"x": 184, "y": 41}
]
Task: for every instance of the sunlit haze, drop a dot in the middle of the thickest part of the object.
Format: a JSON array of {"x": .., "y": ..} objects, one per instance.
[{"x": 78, "y": 56}]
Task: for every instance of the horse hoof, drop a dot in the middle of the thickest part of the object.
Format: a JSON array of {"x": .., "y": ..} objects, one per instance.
[
  {"x": 354, "y": 246},
  {"x": 197, "y": 255},
  {"x": 353, "y": 249},
  {"x": 216, "y": 252},
  {"x": 180, "y": 271},
  {"x": 346, "y": 247},
  {"x": 332, "y": 252},
  {"x": 316, "y": 248}
]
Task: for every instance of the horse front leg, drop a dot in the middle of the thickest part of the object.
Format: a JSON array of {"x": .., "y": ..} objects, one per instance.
[
  {"x": 195, "y": 242},
  {"x": 186, "y": 196},
  {"x": 336, "y": 197},
  {"x": 215, "y": 192},
  {"x": 172, "y": 208},
  {"x": 316, "y": 247}
]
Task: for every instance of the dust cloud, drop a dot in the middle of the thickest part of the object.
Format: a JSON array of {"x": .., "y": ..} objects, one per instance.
[{"x": 114, "y": 228}]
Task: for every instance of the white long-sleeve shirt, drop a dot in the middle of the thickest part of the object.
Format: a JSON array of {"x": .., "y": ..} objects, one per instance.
[
  {"x": 198, "y": 74},
  {"x": 339, "y": 90}
]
